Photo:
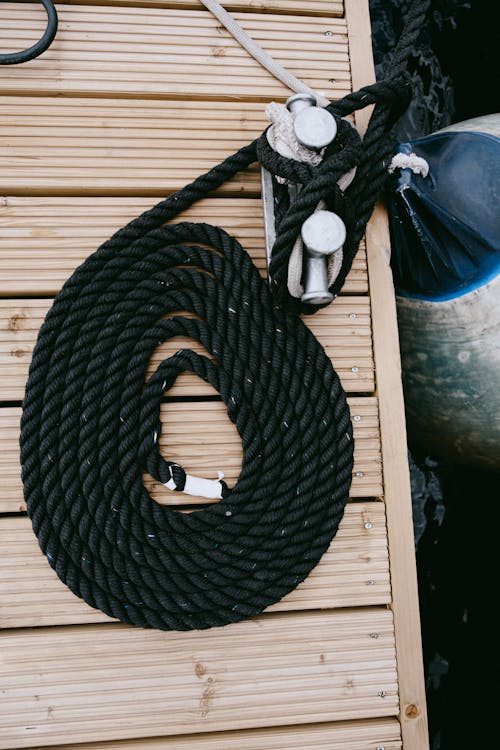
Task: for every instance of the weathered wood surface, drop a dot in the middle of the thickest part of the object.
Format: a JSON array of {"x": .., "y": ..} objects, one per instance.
[
  {"x": 395, "y": 470},
  {"x": 353, "y": 573},
  {"x": 55, "y": 146},
  {"x": 329, "y": 8},
  {"x": 344, "y": 332},
  {"x": 147, "y": 52},
  {"x": 203, "y": 440},
  {"x": 56, "y": 235},
  {"x": 134, "y": 100},
  {"x": 343, "y": 735},
  {"x": 111, "y": 681}
]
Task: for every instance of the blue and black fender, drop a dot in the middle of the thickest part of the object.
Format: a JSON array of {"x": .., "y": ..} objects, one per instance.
[{"x": 445, "y": 233}]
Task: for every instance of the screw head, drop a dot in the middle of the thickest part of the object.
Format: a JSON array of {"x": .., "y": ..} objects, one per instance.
[
  {"x": 314, "y": 127},
  {"x": 323, "y": 233}
]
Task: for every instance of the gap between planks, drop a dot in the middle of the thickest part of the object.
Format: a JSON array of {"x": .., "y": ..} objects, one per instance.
[
  {"x": 167, "y": 144},
  {"x": 171, "y": 54},
  {"x": 344, "y": 330},
  {"x": 55, "y": 235},
  {"x": 328, "y": 8},
  {"x": 405, "y": 604},
  {"x": 362, "y": 734},
  {"x": 201, "y": 438},
  {"x": 354, "y": 572},
  {"x": 257, "y": 673}
]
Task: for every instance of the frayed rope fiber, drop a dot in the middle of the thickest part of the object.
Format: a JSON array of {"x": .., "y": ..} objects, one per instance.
[{"x": 90, "y": 422}]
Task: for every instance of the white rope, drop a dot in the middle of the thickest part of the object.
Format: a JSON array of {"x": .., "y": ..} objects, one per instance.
[
  {"x": 281, "y": 135},
  {"x": 262, "y": 57},
  {"x": 417, "y": 164},
  {"x": 282, "y": 138}
]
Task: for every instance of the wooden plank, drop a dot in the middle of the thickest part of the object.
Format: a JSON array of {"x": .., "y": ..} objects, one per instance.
[
  {"x": 190, "y": 427},
  {"x": 155, "y": 52},
  {"x": 55, "y": 235},
  {"x": 105, "y": 682},
  {"x": 405, "y": 604},
  {"x": 343, "y": 329},
  {"x": 344, "y": 735},
  {"x": 329, "y": 8},
  {"x": 200, "y": 437},
  {"x": 60, "y": 146},
  {"x": 353, "y": 573},
  {"x": 395, "y": 465}
]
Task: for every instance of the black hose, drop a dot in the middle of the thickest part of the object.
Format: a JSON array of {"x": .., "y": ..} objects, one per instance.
[{"x": 15, "y": 58}]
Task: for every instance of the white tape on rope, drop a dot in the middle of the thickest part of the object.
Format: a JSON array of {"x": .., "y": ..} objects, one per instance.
[{"x": 200, "y": 487}]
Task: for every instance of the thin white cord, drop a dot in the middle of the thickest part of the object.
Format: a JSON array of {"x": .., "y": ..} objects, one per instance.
[
  {"x": 262, "y": 57},
  {"x": 417, "y": 164}
]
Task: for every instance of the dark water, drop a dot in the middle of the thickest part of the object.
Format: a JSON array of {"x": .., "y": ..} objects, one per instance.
[{"x": 455, "y": 76}]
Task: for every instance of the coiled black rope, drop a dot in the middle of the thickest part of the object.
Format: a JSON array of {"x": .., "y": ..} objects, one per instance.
[
  {"x": 15, "y": 58},
  {"x": 89, "y": 428},
  {"x": 90, "y": 423}
]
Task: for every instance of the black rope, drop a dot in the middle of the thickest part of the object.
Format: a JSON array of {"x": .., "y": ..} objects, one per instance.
[
  {"x": 371, "y": 156},
  {"x": 15, "y": 58},
  {"x": 89, "y": 428},
  {"x": 90, "y": 422}
]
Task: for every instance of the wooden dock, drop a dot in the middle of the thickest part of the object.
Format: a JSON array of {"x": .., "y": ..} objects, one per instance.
[{"x": 134, "y": 99}]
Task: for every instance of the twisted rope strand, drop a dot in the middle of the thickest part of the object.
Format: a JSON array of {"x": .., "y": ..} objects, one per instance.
[{"x": 90, "y": 427}]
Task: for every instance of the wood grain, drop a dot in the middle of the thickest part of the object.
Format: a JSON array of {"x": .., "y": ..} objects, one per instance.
[
  {"x": 343, "y": 329},
  {"x": 343, "y": 735},
  {"x": 54, "y": 146},
  {"x": 329, "y": 8},
  {"x": 57, "y": 234},
  {"x": 395, "y": 467},
  {"x": 136, "y": 99},
  {"x": 155, "y": 52},
  {"x": 106, "y": 682},
  {"x": 405, "y": 603},
  {"x": 354, "y": 572},
  {"x": 201, "y": 438}
]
